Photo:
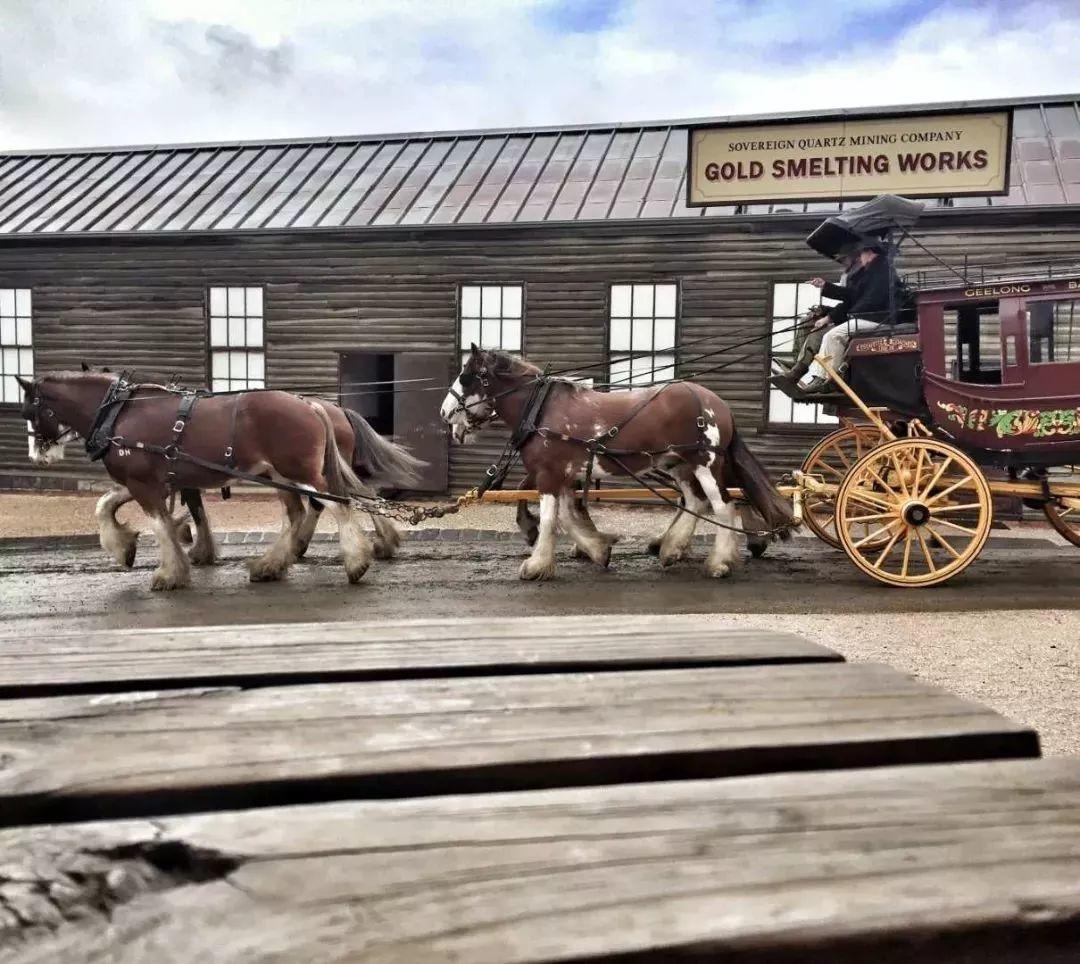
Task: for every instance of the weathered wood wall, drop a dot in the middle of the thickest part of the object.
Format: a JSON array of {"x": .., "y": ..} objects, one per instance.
[{"x": 140, "y": 302}]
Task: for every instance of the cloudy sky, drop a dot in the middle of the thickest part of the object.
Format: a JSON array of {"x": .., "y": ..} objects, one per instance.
[{"x": 95, "y": 72}]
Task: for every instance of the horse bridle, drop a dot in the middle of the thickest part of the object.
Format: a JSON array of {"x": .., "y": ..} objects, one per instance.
[
  {"x": 34, "y": 406},
  {"x": 465, "y": 408}
]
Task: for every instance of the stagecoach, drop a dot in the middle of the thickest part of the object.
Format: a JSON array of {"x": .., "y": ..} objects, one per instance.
[{"x": 976, "y": 400}]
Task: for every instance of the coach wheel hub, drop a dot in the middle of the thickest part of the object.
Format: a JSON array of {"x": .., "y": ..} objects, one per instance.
[{"x": 915, "y": 514}]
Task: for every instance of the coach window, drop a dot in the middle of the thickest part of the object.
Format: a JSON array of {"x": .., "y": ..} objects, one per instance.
[
  {"x": 641, "y": 334},
  {"x": 1053, "y": 331},
  {"x": 490, "y": 316},
  {"x": 790, "y": 301},
  {"x": 237, "y": 356},
  {"x": 16, "y": 342}
]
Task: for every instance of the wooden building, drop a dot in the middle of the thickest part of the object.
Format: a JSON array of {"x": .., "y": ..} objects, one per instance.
[{"x": 316, "y": 265}]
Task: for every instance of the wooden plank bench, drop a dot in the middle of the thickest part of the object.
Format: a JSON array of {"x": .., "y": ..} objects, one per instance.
[
  {"x": 962, "y": 864},
  {"x": 534, "y": 790},
  {"x": 74, "y": 757},
  {"x": 123, "y": 660}
]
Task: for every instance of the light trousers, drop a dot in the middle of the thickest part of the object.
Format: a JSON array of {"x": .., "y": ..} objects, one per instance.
[{"x": 834, "y": 344}]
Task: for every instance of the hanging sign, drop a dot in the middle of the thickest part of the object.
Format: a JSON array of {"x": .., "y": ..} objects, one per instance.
[{"x": 913, "y": 155}]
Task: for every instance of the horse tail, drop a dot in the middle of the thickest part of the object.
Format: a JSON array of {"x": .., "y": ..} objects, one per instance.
[
  {"x": 381, "y": 462},
  {"x": 759, "y": 489},
  {"x": 340, "y": 477}
]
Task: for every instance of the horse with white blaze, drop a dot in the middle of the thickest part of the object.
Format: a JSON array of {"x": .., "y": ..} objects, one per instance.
[{"x": 677, "y": 431}]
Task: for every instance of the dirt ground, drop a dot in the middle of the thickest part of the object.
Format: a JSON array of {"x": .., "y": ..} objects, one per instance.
[{"x": 1005, "y": 633}]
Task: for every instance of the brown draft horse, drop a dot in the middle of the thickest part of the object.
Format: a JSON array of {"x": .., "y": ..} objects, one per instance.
[
  {"x": 681, "y": 430},
  {"x": 274, "y": 435},
  {"x": 364, "y": 449}
]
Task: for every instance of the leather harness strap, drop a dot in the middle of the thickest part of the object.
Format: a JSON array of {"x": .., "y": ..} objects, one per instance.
[
  {"x": 183, "y": 416},
  {"x": 99, "y": 436}
]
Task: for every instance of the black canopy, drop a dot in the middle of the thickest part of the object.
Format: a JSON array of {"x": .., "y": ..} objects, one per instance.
[{"x": 869, "y": 221}]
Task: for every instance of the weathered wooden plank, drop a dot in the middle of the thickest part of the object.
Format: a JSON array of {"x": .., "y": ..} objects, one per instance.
[
  {"x": 70, "y": 757},
  {"x": 969, "y": 863},
  {"x": 323, "y": 652}
]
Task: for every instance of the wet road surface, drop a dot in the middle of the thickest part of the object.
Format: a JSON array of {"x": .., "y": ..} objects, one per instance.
[{"x": 78, "y": 589}]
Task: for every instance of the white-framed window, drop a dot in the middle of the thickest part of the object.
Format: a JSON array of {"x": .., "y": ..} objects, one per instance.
[
  {"x": 16, "y": 342},
  {"x": 641, "y": 334},
  {"x": 790, "y": 300},
  {"x": 237, "y": 356},
  {"x": 490, "y": 317}
]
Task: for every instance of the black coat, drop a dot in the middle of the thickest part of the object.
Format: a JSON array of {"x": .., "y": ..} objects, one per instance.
[{"x": 866, "y": 294}]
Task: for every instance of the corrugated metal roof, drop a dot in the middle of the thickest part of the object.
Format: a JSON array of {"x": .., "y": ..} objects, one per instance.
[{"x": 594, "y": 173}]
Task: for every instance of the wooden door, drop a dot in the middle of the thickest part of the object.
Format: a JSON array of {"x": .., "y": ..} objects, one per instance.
[{"x": 416, "y": 414}]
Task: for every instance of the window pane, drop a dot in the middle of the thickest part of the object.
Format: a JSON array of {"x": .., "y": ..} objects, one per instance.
[
  {"x": 665, "y": 333},
  {"x": 470, "y": 301},
  {"x": 803, "y": 413},
  {"x": 219, "y": 365},
  {"x": 620, "y": 374},
  {"x": 236, "y": 301},
  {"x": 256, "y": 365},
  {"x": 237, "y": 332},
  {"x": 470, "y": 331},
  {"x": 643, "y": 300},
  {"x": 23, "y": 332},
  {"x": 238, "y": 364},
  {"x": 641, "y": 334},
  {"x": 665, "y": 301},
  {"x": 620, "y": 334},
  {"x": 779, "y": 406},
  {"x": 490, "y": 333},
  {"x": 620, "y": 301},
  {"x": 11, "y": 389},
  {"x": 784, "y": 300},
  {"x": 217, "y": 301},
  {"x": 664, "y": 368},
  {"x": 220, "y": 385},
  {"x": 9, "y": 361},
  {"x": 490, "y": 301},
  {"x": 218, "y": 333},
  {"x": 22, "y": 302},
  {"x": 7, "y": 331},
  {"x": 511, "y": 301},
  {"x": 7, "y": 302},
  {"x": 254, "y": 301},
  {"x": 26, "y": 361},
  {"x": 254, "y": 332},
  {"x": 511, "y": 334}
]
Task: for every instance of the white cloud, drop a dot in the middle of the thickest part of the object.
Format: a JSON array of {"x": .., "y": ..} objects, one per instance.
[{"x": 86, "y": 72}]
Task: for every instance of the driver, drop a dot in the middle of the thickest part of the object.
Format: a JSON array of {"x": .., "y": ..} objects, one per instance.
[{"x": 865, "y": 297}]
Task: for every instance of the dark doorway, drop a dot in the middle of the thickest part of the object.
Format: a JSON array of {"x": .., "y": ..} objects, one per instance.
[
  {"x": 399, "y": 394},
  {"x": 366, "y": 381}
]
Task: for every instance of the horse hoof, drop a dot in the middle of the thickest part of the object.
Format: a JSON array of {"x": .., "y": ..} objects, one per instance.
[
  {"x": 605, "y": 560},
  {"x": 128, "y": 559},
  {"x": 669, "y": 559},
  {"x": 163, "y": 582},
  {"x": 757, "y": 547},
  {"x": 259, "y": 571},
  {"x": 719, "y": 571},
  {"x": 355, "y": 574},
  {"x": 536, "y": 571},
  {"x": 653, "y": 548}
]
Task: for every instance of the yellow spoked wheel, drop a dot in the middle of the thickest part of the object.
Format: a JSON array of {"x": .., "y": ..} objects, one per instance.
[
  {"x": 1064, "y": 513},
  {"x": 831, "y": 460},
  {"x": 930, "y": 506}
]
